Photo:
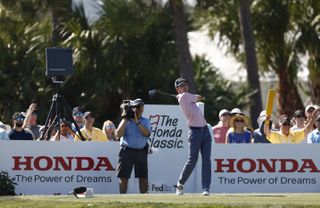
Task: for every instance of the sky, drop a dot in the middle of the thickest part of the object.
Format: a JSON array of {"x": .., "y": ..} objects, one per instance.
[{"x": 201, "y": 44}]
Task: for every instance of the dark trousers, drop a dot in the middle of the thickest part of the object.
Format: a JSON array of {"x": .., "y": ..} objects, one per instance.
[{"x": 199, "y": 141}]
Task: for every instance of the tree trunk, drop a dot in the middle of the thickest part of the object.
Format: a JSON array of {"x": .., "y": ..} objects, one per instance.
[
  {"x": 251, "y": 60},
  {"x": 314, "y": 79},
  {"x": 61, "y": 11},
  {"x": 181, "y": 38},
  {"x": 289, "y": 98}
]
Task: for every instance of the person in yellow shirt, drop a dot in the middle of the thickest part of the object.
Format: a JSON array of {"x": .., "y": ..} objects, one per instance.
[
  {"x": 285, "y": 136},
  {"x": 89, "y": 132}
]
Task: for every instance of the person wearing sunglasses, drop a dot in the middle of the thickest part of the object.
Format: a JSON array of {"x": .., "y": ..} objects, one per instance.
[
  {"x": 77, "y": 114},
  {"x": 18, "y": 132},
  {"x": 109, "y": 130},
  {"x": 239, "y": 133},
  {"x": 285, "y": 135}
]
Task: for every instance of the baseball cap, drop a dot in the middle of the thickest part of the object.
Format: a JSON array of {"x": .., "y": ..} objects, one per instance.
[
  {"x": 18, "y": 115},
  {"x": 285, "y": 119},
  {"x": 87, "y": 114},
  {"x": 77, "y": 110},
  {"x": 223, "y": 111},
  {"x": 2, "y": 125},
  {"x": 180, "y": 81},
  {"x": 138, "y": 102},
  {"x": 308, "y": 107},
  {"x": 262, "y": 116},
  {"x": 299, "y": 114}
]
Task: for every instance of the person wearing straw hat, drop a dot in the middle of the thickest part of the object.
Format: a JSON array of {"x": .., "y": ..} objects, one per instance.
[{"x": 239, "y": 133}]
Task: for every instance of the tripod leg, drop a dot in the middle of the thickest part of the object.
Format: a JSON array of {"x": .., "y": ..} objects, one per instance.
[
  {"x": 58, "y": 114},
  {"x": 48, "y": 119}
]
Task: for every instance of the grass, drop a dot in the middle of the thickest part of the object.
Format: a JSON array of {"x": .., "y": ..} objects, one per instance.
[{"x": 165, "y": 200}]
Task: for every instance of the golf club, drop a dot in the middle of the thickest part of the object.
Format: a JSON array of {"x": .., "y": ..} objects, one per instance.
[{"x": 154, "y": 92}]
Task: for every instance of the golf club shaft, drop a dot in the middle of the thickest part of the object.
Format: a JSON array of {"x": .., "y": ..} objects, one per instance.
[{"x": 165, "y": 93}]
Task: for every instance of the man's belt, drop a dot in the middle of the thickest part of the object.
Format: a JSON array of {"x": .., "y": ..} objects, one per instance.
[
  {"x": 198, "y": 127},
  {"x": 132, "y": 149}
]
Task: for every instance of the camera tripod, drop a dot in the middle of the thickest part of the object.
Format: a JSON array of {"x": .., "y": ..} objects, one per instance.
[{"x": 54, "y": 116}]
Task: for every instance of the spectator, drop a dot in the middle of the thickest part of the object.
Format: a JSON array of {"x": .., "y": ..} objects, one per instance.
[
  {"x": 77, "y": 114},
  {"x": 285, "y": 135},
  {"x": 66, "y": 133},
  {"x": 199, "y": 137},
  {"x": 30, "y": 121},
  {"x": 89, "y": 132},
  {"x": 109, "y": 130},
  {"x": 18, "y": 132},
  {"x": 258, "y": 134},
  {"x": 134, "y": 148},
  {"x": 299, "y": 120},
  {"x": 211, "y": 133},
  {"x": 220, "y": 130},
  {"x": 314, "y": 136},
  {"x": 308, "y": 111},
  {"x": 239, "y": 122},
  {"x": 233, "y": 112},
  {"x": 3, "y": 132}
]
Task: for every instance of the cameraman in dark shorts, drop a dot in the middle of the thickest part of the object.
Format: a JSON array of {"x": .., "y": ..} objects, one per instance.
[{"x": 134, "y": 131}]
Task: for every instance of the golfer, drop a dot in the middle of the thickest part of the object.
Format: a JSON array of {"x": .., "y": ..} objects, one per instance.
[{"x": 199, "y": 137}]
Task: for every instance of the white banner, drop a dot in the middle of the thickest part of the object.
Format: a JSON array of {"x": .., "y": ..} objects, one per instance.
[
  {"x": 43, "y": 167},
  {"x": 266, "y": 168}
]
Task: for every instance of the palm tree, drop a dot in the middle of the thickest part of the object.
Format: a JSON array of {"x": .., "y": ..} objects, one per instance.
[
  {"x": 181, "y": 39},
  {"x": 251, "y": 59},
  {"x": 275, "y": 41},
  {"x": 309, "y": 42},
  {"x": 119, "y": 56},
  {"x": 61, "y": 11},
  {"x": 276, "y": 38}
]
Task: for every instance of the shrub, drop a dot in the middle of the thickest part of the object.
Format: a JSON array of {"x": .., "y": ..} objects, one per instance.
[{"x": 7, "y": 184}]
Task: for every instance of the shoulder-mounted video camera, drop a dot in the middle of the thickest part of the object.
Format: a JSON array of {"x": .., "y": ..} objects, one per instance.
[
  {"x": 126, "y": 109},
  {"x": 128, "y": 105}
]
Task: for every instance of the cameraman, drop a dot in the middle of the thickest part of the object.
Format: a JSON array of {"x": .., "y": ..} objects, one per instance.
[{"x": 134, "y": 133}]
